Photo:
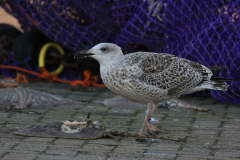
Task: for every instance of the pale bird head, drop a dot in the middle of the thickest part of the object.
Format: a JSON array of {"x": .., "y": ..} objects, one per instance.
[{"x": 104, "y": 53}]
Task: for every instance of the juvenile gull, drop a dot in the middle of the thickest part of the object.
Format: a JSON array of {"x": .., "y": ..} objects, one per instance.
[{"x": 151, "y": 78}]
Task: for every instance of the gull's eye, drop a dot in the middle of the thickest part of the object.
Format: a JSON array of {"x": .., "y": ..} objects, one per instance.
[{"x": 103, "y": 49}]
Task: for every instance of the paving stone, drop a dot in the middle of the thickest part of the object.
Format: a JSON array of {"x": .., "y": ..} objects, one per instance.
[
  {"x": 56, "y": 157},
  {"x": 159, "y": 156},
  {"x": 62, "y": 150},
  {"x": 38, "y": 139},
  {"x": 7, "y": 143},
  {"x": 127, "y": 155},
  {"x": 78, "y": 98},
  {"x": 130, "y": 149},
  {"x": 204, "y": 131},
  {"x": 197, "y": 150},
  {"x": 69, "y": 142},
  {"x": 199, "y": 157},
  {"x": 173, "y": 146},
  {"x": 92, "y": 157},
  {"x": 202, "y": 139},
  {"x": 206, "y": 136},
  {"x": 229, "y": 153},
  {"x": 98, "y": 147},
  {"x": 117, "y": 157},
  {"x": 32, "y": 147},
  {"x": 17, "y": 156}
]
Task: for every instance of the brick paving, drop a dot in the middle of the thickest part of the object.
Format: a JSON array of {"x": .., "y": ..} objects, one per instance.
[{"x": 206, "y": 136}]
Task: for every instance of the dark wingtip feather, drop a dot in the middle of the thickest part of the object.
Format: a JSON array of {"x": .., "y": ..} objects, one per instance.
[
  {"x": 213, "y": 78},
  {"x": 217, "y": 69}
]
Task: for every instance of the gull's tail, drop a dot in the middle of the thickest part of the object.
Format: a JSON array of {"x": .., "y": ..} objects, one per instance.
[
  {"x": 217, "y": 83},
  {"x": 222, "y": 86}
]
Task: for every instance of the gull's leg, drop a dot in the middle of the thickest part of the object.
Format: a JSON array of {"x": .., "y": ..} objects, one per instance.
[
  {"x": 147, "y": 112},
  {"x": 151, "y": 129},
  {"x": 155, "y": 106}
]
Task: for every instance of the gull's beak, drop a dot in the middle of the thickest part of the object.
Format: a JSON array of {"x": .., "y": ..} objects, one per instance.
[{"x": 82, "y": 54}]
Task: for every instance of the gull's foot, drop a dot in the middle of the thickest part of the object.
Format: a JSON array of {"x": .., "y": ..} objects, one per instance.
[{"x": 151, "y": 129}]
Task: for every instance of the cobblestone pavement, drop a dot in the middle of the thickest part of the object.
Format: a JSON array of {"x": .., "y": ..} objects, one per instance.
[{"x": 205, "y": 136}]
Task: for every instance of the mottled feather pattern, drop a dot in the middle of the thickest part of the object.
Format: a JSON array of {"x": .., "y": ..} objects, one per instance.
[
  {"x": 167, "y": 71},
  {"x": 146, "y": 77},
  {"x": 156, "y": 76}
]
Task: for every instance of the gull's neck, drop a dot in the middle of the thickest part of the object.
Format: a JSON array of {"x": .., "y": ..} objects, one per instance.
[{"x": 107, "y": 63}]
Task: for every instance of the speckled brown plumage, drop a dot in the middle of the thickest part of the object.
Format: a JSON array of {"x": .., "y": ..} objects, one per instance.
[
  {"x": 154, "y": 77},
  {"x": 147, "y": 77}
]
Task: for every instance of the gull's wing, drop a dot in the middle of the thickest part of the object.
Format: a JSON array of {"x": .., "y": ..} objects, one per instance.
[{"x": 169, "y": 72}]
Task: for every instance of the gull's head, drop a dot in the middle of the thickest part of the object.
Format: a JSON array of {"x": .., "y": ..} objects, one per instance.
[{"x": 104, "y": 53}]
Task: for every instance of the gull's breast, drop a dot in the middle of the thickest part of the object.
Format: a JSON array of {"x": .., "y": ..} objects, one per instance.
[{"x": 125, "y": 82}]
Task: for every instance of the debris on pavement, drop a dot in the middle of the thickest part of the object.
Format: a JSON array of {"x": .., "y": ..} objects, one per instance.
[
  {"x": 85, "y": 129},
  {"x": 53, "y": 129},
  {"x": 77, "y": 126},
  {"x": 119, "y": 101},
  {"x": 7, "y": 83},
  {"x": 19, "y": 98}
]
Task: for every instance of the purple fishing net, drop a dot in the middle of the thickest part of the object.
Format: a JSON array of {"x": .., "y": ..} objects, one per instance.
[
  {"x": 199, "y": 30},
  {"x": 13, "y": 73}
]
